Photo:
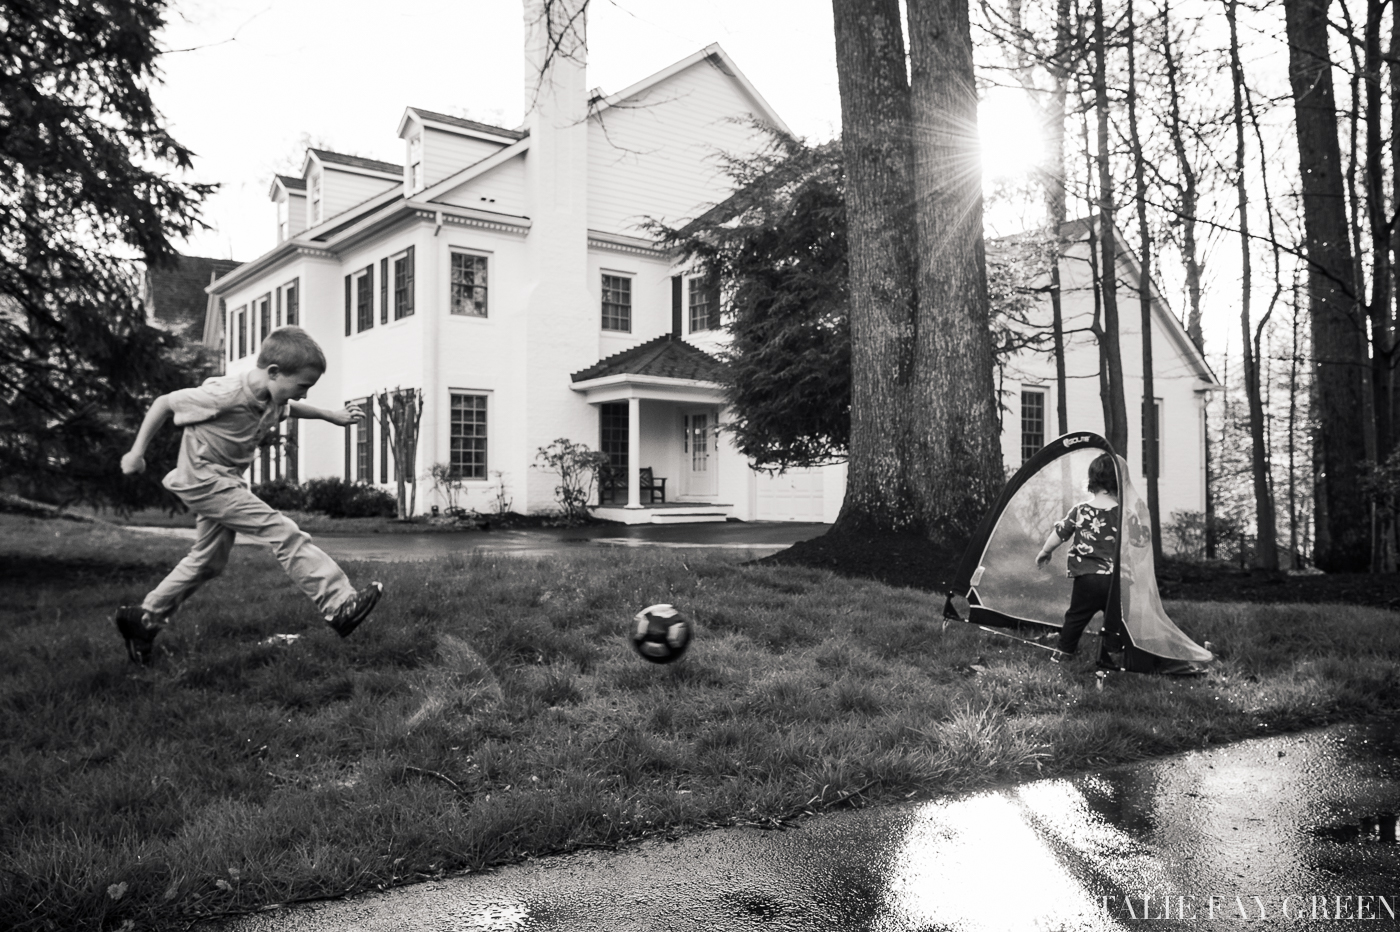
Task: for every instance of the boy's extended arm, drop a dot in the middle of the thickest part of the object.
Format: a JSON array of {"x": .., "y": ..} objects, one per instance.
[
  {"x": 135, "y": 459},
  {"x": 347, "y": 415}
]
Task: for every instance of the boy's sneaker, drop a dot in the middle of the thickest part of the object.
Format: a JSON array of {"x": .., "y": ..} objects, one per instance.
[
  {"x": 348, "y": 617},
  {"x": 139, "y": 628}
]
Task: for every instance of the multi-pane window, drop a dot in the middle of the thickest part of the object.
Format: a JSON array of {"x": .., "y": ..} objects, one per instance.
[
  {"x": 291, "y": 296},
  {"x": 1152, "y": 440},
  {"x": 415, "y": 162},
  {"x": 243, "y": 331},
  {"x": 364, "y": 300},
  {"x": 696, "y": 441},
  {"x": 359, "y": 445},
  {"x": 403, "y": 284},
  {"x": 316, "y": 198},
  {"x": 617, "y": 303},
  {"x": 291, "y": 449},
  {"x": 1032, "y": 423},
  {"x": 704, "y": 306},
  {"x": 468, "y": 284},
  {"x": 284, "y": 220},
  {"x": 265, "y": 315},
  {"x": 468, "y": 436}
]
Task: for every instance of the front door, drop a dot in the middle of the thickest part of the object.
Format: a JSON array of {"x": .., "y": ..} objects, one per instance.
[{"x": 698, "y": 453}]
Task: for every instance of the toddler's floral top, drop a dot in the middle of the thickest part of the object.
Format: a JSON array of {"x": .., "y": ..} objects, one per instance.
[{"x": 1095, "y": 533}]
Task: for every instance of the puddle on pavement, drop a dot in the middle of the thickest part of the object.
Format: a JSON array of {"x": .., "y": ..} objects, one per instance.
[{"x": 1293, "y": 831}]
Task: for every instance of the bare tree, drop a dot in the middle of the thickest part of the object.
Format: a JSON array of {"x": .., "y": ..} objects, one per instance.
[
  {"x": 1115, "y": 407},
  {"x": 400, "y": 413},
  {"x": 1341, "y": 537}
]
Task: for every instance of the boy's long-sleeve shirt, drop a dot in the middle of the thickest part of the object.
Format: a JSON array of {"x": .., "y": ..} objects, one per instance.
[{"x": 224, "y": 424}]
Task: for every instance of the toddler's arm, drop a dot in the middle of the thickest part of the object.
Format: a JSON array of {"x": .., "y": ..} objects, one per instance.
[
  {"x": 1048, "y": 548},
  {"x": 135, "y": 459},
  {"x": 347, "y": 415}
]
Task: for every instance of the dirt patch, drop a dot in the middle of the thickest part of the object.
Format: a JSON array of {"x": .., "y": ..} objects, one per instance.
[{"x": 923, "y": 564}]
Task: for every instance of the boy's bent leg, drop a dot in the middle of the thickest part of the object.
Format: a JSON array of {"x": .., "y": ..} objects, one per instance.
[
  {"x": 207, "y": 558},
  {"x": 1089, "y": 597},
  {"x": 238, "y": 509}
]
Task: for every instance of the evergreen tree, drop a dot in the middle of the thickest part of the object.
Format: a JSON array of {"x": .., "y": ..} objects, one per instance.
[{"x": 85, "y": 193}]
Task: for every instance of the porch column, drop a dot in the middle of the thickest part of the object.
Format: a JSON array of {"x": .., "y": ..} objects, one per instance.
[{"x": 634, "y": 455}]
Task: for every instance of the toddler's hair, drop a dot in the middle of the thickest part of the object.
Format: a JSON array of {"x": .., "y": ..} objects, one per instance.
[
  {"x": 1103, "y": 475},
  {"x": 292, "y": 349}
]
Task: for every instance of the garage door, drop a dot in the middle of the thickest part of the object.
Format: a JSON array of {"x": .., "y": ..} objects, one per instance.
[{"x": 795, "y": 495}]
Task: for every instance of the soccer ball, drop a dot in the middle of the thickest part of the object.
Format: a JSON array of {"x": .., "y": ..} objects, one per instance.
[{"x": 660, "y": 633}]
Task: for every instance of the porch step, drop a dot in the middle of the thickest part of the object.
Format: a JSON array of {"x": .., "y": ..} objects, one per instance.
[
  {"x": 699, "y": 517},
  {"x": 670, "y": 513}
]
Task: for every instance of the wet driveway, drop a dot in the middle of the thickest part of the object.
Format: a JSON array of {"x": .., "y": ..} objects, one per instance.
[
  {"x": 756, "y": 539},
  {"x": 1291, "y": 832}
]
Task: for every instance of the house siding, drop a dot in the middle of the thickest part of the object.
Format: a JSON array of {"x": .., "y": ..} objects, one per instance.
[
  {"x": 447, "y": 153},
  {"x": 657, "y": 154},
  {"x": 501, "y": 190},
  {"x": 342, "y": 190}
]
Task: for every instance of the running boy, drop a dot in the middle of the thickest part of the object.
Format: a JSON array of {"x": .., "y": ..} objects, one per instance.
[
  {"x": 225, "y": 420},
  {"x": 1094, "y": 527}
]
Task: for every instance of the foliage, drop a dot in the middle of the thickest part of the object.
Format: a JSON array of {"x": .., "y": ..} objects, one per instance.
[
  {"x": 1187, "y": 532},
  {"x": 409, "y": 750},
  {"x": 448, "y": 483},
  {"x": 578, "y": 468},
  {"x": 778, "y": 246},
  {"x": 282, "y": 494},
  {"x": 400, "y": 414},
  {"x": 84, "y": 193},
  {"x": 338, "y": 498}
]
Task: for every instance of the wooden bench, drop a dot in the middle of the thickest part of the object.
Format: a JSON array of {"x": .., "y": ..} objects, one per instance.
[{"x": 613, "y": 485}]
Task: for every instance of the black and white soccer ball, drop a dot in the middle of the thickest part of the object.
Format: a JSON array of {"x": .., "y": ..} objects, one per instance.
[{"x": 660, "y": 633}]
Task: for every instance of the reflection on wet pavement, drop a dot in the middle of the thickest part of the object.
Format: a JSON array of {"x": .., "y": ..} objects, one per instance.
[{"x": 1231, "y": 838}]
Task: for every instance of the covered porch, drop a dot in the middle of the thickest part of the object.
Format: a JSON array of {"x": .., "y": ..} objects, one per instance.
[{"x": 658, "y": 405}]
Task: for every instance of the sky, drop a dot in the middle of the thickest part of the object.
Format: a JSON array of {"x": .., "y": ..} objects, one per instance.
[
  {"x": 262, "y": 78},
  {"x": 248, "y": 84}
]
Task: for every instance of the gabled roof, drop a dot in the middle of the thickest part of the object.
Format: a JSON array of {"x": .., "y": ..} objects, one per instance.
[
  {"x": 429, "y": 117},
  {"x": 717, "y": 58},
  {"x": 356, "y": 161},
  {"x": 667, "y": 357},
  {"x": 292, "y": 183}
]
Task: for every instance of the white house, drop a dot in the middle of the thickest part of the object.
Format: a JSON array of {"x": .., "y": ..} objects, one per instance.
[
  {"x": 1182, "y": 380},
  {"x": 508, "y": 274}
]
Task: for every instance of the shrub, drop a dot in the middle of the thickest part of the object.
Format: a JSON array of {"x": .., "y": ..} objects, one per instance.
[
  {"x": 337, "y": 498},
  {"x": 282, "y": 494}
]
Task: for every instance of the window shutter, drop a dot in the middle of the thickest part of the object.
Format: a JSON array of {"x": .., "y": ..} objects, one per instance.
[
  {"x": 409, "y": 302},
  {"x": 348, "y": 331},
  {"x": 676, "y": 306},
  {"x": 279, "y": 307},
  {"x": 349, "y": 448},
  {"x": 367, "y": 425},
  {"x": 384, "y": 291}
]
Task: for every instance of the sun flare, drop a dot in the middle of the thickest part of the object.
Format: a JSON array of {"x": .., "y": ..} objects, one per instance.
[{"x": 1010, "y": 134}]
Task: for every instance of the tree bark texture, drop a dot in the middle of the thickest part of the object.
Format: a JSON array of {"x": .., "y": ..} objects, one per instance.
[
  {"x": 876, "y": 141},
  {"x": 1339, "y": 353},
  {"x": 957, "y": 443}
]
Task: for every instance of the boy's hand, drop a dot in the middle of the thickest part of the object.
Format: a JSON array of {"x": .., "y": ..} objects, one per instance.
[
  {"x": 133, "y": 463},
  {"x": 1042, "y": 558},
  {"x": 349, "y": 415}
]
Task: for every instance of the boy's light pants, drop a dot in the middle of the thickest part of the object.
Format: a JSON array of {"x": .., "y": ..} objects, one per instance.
[{"x": 228, "y": 511}]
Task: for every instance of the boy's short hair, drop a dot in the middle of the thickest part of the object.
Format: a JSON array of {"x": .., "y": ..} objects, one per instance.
[
  {"x": 292, "y": 349},
  {"x": 1103, "y": 475}
]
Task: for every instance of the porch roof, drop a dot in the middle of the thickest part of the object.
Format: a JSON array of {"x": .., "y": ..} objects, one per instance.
[
  {"x": 667, "y": 356},
  {"x": 666, "y": 368}
]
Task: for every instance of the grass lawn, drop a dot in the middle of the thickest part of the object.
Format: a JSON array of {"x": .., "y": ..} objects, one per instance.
[{"x": 492, "y": 709}]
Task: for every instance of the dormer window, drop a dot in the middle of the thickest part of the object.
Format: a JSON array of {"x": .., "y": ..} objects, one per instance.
[
  {"x": 415, "y": 162},
  {"x": 316, "y": 198},
  {"x": 284, "y": 218}
]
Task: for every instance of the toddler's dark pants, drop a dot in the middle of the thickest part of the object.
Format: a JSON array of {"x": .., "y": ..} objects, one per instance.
[{"x": 1090, "y": 596}]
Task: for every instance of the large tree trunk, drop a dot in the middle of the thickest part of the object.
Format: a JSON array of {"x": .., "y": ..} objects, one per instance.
[
  {"x": 956, "y": 449},
  {"x": 1115, "y": 404},
  {"x": 1342, "y": 542},
  {"x": 1266, "y": 546},
  {"x": 876, "y": 140}
]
